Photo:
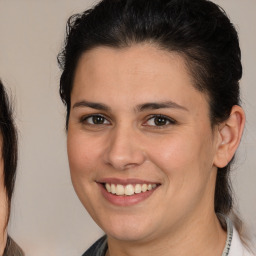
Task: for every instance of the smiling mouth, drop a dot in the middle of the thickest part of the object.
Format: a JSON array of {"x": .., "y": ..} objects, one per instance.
[{"x": 129, "y": 189}]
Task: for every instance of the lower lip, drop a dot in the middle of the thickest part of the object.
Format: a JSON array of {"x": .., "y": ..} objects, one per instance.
[{"x": 126, "y": 200}]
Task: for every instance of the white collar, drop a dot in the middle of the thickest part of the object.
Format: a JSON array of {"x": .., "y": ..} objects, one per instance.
[{"x": 234, "y": 246}]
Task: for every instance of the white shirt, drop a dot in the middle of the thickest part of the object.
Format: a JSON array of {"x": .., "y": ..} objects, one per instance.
[
  {"x": 237, "y": 248},
  {"x": 234, "y": 246}
]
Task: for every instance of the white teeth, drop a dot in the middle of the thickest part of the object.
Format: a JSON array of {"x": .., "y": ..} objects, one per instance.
[
  {"x": 108, "y": 187},
  {"x": 113, "y": 188},
  {"x": 120, "y": 190},
  {"x": 129, "y": 189},
  {"x": 137, "y": 188},
  {"x": 144, "y": 187}
]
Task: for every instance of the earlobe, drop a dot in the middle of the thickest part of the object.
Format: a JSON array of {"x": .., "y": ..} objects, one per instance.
[{"x": 229, "y": 136}]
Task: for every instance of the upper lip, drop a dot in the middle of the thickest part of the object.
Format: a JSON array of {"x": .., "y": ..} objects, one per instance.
[{"x": 125, "y": 181}]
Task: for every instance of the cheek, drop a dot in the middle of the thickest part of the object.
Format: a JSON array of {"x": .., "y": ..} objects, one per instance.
[
  {"x": 184, "y": 159},
  {"x": 173, "y": 153},
  {"x": 82, "y": 154},
  {"x": 82, "y": 159}
]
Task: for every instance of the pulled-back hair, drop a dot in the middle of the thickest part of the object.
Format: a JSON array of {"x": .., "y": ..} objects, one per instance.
[{"x": 198, "y": 30}]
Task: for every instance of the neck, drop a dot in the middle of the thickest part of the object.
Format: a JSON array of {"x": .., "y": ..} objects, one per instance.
[{"x": 203, "y": 236}]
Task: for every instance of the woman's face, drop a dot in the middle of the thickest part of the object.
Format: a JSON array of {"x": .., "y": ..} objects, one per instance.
[{"x": 137, "y": 123}]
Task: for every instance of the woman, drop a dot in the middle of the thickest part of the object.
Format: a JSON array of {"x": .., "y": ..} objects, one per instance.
[
  {"x": 153, "y": 122},
  {"x": 8, "y": 164}
]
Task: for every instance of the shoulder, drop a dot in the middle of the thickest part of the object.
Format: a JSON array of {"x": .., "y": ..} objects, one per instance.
[
  {"x": 12, "y": 249},
  {"x": 99, "y": 248}
]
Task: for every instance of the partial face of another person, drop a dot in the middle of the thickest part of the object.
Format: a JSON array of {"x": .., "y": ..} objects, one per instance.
[
  {"x": 138, "y": 128},
  {"x": 3, "y": 203}
]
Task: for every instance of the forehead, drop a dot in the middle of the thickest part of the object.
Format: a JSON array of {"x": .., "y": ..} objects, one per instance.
[
  {"x": 133, "y": 56},
  {"x": 138, "y": 61},
  {"x": 137, "y": 73}
]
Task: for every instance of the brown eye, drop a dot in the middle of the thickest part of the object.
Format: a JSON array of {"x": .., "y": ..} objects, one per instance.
[
  {"x": 159, "y": 120},
  {"x": 98, "y": 119},
  {"x": 95, "y": 120}
]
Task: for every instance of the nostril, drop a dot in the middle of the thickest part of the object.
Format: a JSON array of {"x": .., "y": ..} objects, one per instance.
[
  {"x": 125, "y": 163},
  {"x": 123, "y": 151}
]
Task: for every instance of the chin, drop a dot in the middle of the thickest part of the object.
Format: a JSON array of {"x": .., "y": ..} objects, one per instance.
[
  {"x": 129, "y": 236},
  {"x": 128, "y": 230}
]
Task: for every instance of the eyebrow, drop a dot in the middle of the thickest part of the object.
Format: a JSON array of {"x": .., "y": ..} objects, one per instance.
[
  {"x": 94, "y": 105},
  {"x": 139, "y": 108},
  {"x": 158, "y": 105}
]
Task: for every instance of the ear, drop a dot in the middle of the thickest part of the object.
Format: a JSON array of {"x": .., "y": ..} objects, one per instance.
[{"x": 229, "y": 136}]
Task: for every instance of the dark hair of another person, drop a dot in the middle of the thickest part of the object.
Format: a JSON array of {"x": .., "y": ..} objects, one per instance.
[
  {"x": 9, "y": 155},
  {"x": 9, "y": 144},
  {"x": 197, "y": 30}
]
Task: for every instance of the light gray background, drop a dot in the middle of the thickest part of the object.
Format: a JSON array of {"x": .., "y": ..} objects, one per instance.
[{"x": 47, "y": 218}]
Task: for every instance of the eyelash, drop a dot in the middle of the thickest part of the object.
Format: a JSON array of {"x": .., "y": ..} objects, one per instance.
[
  {"x": 167, "y": 120},
  {"x": 164, "y": 118},
  {"x": 85, "y": 119}
]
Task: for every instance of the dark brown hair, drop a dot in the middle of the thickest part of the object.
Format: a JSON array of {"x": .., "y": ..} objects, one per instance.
[
  {"x": 9, "y": 144},
  {"x": 9, "y": 155}
]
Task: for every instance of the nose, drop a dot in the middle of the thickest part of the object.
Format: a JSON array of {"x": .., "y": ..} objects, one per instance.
[{"x": 124, "y": 149}]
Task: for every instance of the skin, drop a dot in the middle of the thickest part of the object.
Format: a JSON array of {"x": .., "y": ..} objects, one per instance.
[
  {"x": 3, "y": 205},
  {"x": 182, "y": 156}
]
